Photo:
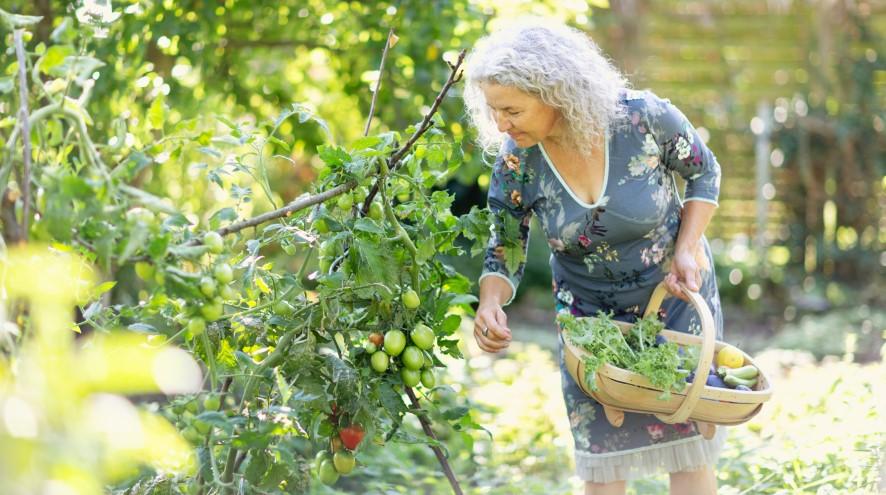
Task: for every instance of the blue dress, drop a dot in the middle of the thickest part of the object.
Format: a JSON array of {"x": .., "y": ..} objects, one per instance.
[{"x": 609, "y": 256}]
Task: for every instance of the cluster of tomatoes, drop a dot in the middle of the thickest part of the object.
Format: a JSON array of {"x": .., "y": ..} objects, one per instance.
[
  {"x": 414, "y": 360},
  {"x": 339, "y": 459}
]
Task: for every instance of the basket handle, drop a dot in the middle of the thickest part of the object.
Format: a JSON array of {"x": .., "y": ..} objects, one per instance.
[{"x": 705, "y": 358}]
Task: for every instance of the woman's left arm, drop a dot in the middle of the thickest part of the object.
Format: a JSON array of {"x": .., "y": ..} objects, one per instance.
[
  {"x": 689, "y": 257},
  {"x": 684, "y": 152}
]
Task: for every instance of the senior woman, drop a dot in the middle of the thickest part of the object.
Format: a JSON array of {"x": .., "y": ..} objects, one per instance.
[{"x": 595, "y": 162}]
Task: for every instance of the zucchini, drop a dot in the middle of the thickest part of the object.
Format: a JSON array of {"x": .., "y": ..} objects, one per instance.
[
  {"x": 734, "y": 381},
  {"x": 745, "y": 372}
]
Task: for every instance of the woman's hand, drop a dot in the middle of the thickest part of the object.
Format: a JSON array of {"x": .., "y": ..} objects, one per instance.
[
  {"x": 685, "y": 271},
  {"x": 491, "y": 328}
]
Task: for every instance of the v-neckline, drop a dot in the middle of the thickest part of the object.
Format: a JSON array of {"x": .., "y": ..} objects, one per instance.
[{"x": 569, "y": 189}]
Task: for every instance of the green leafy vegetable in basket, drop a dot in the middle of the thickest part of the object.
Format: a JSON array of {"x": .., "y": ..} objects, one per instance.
[{"x": 635, "y": 351}]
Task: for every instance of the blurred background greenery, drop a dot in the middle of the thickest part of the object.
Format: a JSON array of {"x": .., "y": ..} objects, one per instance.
[{"x": 790, "y": 95}]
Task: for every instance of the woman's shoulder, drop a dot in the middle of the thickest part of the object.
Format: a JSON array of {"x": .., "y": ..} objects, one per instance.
[{"x": 644, "y": 100}]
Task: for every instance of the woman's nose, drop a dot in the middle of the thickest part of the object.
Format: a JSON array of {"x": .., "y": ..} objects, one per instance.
[{"x": 502, "y": 123}]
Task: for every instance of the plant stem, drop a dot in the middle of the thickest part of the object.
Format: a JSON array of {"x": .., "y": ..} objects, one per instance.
[
  {"x": 401, "y": 232},
  {"x": 426, "y": 426},
  {"x": 23, "y": 115},
  {"x": 210, "y": 360},
  {"x": 270, "y": 361}
]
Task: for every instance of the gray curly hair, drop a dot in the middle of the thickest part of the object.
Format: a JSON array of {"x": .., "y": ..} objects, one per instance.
[{"x": 554, "y": 62}]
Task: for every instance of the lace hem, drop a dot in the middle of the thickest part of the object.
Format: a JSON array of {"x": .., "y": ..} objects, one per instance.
[{"x": 683, "y": 455}]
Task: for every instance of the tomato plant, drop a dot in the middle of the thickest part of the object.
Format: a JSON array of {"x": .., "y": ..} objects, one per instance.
[{"x": 307, "y": 304}]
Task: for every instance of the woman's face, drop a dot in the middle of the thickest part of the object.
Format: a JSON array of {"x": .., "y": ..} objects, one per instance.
[{"x": 523, "y": 116}]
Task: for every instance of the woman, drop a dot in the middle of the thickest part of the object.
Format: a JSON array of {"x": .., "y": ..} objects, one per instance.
[{"x": 595, "y": 162}]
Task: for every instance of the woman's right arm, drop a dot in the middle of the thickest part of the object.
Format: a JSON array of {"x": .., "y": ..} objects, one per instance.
[
  {"x": 510, "y": 238},
  {"x": 494, "y": 293}
]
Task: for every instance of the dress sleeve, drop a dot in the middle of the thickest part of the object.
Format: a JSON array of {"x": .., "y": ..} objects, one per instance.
[
  {"x": 684, "y": 152},
  {"x": 506, "y": 252}
]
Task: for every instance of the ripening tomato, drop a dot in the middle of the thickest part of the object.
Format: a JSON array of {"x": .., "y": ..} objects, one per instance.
[
  {"x": 352, "y": 436},
  {"x": 344, "y": 462},
  {"x": 377, "y": 339}
]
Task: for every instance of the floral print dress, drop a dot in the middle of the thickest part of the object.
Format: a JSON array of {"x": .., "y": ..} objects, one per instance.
[{"x": 609, "y": 256}]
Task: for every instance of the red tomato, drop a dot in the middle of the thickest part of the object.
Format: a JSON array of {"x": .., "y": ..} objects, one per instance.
[{"x": 351, "y": 436}]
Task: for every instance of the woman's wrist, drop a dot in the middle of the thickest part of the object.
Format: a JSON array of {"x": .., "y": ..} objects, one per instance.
[{"x": 685, "y": 248}]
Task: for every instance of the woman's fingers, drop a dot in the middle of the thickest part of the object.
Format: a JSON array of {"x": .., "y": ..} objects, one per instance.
[
  {"x": 673, "y": 287},
  {"x": 491, "y": 331}
]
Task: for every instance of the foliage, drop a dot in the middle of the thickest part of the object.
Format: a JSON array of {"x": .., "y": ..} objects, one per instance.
[
  {"x": 283, "y": 344},
  {"x": 637, "y": 350},
  {"x": 75, "y": 432},
  {"x": 854, "y": 333}
]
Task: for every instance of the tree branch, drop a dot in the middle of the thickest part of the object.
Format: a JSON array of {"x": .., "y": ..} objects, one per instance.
[
  {"x": 426, "y": 426},
  {"x": 454, "y": 77},
  {"x": 394, "y": 161},
  {"x": 294, "y": 206},
  {"x": 381, "y": 68},
  {"x": 24, "y": 121}
]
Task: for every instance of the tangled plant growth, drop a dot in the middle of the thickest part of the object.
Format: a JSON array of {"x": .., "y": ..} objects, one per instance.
[{"x": 291, "y": 354}]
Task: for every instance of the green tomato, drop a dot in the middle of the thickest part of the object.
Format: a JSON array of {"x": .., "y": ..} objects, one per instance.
[
  {"x": 412, "y": 358},
  {"x": 145, "y": 271},
  {"x": 321, "y": 456},
  {"x": 214, "y": 241},
  {"x": 379, "y": 361},
  {"x": 344, "y": 462},
  {"x": 228, "y": 293},
  {"x": 410, "y": 299},
  {"x": 211, "y": 403},
  {"x": 429, "y": 361},
  {"x": 327, "y": 473},
  {"x": 192, "y": 435},
  {"x": 321, "y": 226},
  {"x": 140, "y": 215},
  {"x": 428, "y": 379},
  {"x": 202, "y": 427},
  {"x": 208, "y": 286},
  {"x": 345, "y": 202},
  {"x": 283, "y": 309},
  {"x": 376, "y": 211},
  {"x": 327, "y": 249},
  {"x": 422, "y": 336},
  {"x": 196, "y": 326},
  {"x": 411, "y": 378},
  {"x": 395, "y": 341},
  {"x": 370, "y": 348},
  {"x": 213, "y": 310},
  {"x": 223, "y": 273}
]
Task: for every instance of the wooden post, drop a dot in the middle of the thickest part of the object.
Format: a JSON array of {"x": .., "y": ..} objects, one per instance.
[{"x": 762, "y": 128}]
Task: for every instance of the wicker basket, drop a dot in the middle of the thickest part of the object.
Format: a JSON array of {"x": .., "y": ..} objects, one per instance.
[{"x": 620, "y": 390}]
